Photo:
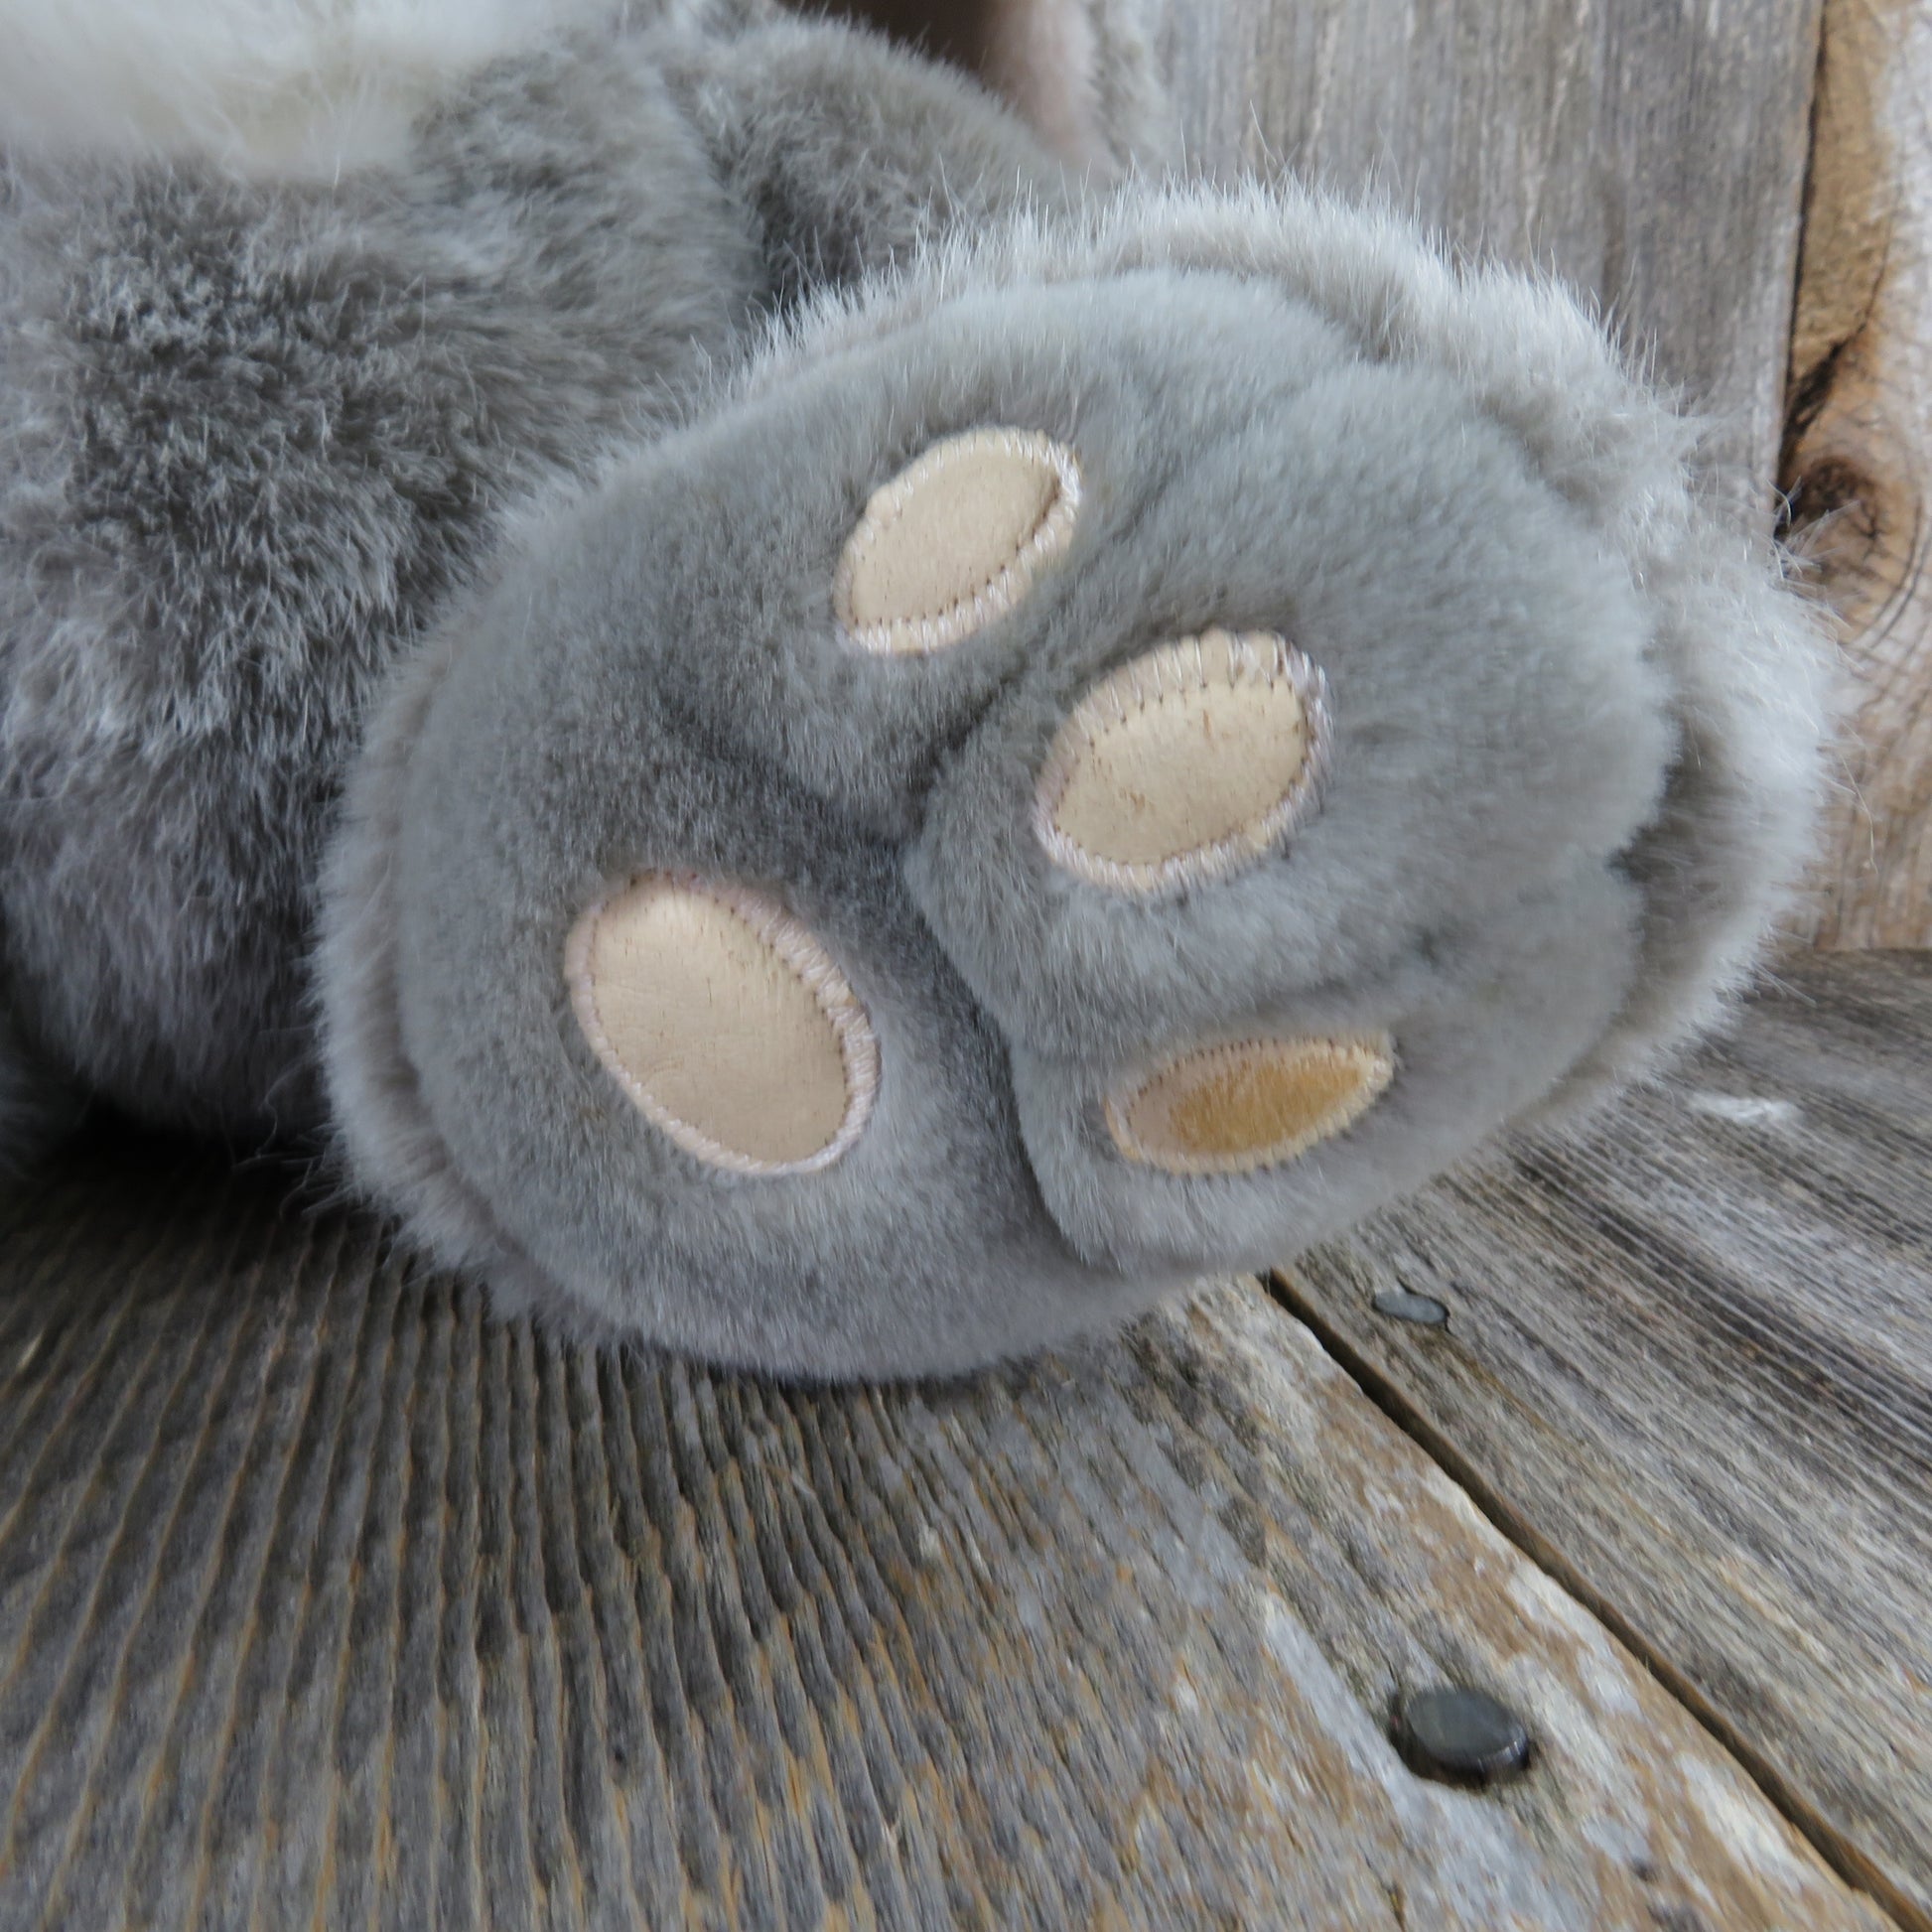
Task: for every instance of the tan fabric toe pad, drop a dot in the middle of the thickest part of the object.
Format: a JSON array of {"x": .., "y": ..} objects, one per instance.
[
  {"x": 726, "y": 1021},
  {"x": 1186, "y": 764},
  {"x": 1251, "y": 1104},
  {"x": 955, "y": 539}
]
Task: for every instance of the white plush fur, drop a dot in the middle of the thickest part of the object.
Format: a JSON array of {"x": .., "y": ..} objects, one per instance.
[
  {"x": 302, "y": 86},
  {"x": 310, "y": 88}
]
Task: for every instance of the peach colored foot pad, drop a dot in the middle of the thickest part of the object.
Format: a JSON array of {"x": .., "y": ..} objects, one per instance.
[
  {"x": 1184, "y": 765},
  {"x": 955, "y": 540},
  {"x": 1253, "y": 1104},
  {"x": 727, "y": 1023}
]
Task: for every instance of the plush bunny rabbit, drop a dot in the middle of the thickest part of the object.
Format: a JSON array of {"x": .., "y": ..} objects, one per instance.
[{"x": 803, "y": 734}]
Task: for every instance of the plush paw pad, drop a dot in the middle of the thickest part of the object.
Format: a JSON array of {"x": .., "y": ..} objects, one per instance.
[
  {"x": 1186, "y": 764},
  {"x": 726, "y": 1021},
  {"x": 954, "y": 540},
  {"x": 1248, "y": 1105},
  {"x": 1090, "y": 936}
]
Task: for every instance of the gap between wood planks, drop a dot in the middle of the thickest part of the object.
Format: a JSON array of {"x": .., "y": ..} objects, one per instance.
[{"x": 1839, "y": 1851}]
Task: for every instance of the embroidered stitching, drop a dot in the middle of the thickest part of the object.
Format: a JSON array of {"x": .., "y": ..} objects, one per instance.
[
  {"x": 1372, "y": 1056},
  {"x": 1170, "y": 671},
  {"x": 921, "y": 636},
  {"x": 801, "y": 952}
]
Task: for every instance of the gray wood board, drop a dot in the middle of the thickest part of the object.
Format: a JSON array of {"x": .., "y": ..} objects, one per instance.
[
  {"x": 327, "y": 1600},
  {"x": 1689, "y": 1360},
  {"x": 1652, "y": 155}
]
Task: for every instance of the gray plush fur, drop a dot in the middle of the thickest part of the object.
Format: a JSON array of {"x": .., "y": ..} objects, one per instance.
[
  {"x": 255, "y": 435},
  {"x": 506, "y": 489}
]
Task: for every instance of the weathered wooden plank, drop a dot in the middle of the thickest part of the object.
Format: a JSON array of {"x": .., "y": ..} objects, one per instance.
[
  {"x": 1689, "y": 1359},
  {"x": 1652, "y": 155},
  {"x": 325, "y": 1600},
  {"x": 1857, "y": 458}
]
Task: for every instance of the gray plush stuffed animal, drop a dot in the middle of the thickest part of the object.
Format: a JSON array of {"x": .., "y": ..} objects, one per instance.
[{"x": 805, "y": 738}]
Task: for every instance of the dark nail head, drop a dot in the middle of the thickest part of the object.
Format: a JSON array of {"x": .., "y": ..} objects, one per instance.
[{"x": 1462, "y": 1737}]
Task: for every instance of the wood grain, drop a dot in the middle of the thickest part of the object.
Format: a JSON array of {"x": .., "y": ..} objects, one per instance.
[
  {"x": 1858, "y": 455},
  {"x": 1652, "y": 155},
  {"x": 325, "y": 1602},
  {"x": 1688, "y": 1362}
]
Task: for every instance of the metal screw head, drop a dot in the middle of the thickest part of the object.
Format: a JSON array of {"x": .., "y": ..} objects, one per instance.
[
  {"x": 1400, "y": 1306},
  {"x": 1462, "y": 1737}
]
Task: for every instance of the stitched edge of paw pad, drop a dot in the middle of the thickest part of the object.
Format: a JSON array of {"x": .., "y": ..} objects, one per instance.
[
  {"x": 1187, "y": 764},
  {"x": 726, "y": 1021},
  {"x": 955, "y": 539},
  {"x": 1247, "y": 1104}
]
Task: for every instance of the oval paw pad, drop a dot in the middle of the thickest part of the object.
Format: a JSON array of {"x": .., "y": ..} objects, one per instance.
[
  {"x": 726, "y": 1021},
  {"x": 1250, "y": 1104},
  {"x": 954, "y": 540},
  {"x": 1186, "y": 764}
]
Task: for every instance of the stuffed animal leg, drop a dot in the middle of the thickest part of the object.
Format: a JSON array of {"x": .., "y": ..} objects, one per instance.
[{"x": 814, "y": 746}]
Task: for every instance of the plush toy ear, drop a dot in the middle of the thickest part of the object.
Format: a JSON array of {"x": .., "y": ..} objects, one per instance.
[{"x": 1082, "y": 72}]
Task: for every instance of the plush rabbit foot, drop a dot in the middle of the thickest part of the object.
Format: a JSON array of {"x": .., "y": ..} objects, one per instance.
[{"x": 1052, "y": 789}]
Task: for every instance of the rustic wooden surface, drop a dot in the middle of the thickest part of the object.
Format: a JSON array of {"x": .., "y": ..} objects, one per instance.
[
  {"x": 325, "y": 1602},
  {"x": 1689, "y": 1363},
  {"x": 1858, "y": 459},
  {"x": 1653, "y": 155}
]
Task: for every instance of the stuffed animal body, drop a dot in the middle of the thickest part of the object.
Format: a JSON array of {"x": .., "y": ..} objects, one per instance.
[{"x": 805, "y": 736}]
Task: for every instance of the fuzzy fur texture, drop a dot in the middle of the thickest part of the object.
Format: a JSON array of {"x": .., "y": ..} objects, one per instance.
[
  {"x": 254, "y": 436},
  {"x": 503, "y": 480},
  {"x": 1745, "y": 659}
]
